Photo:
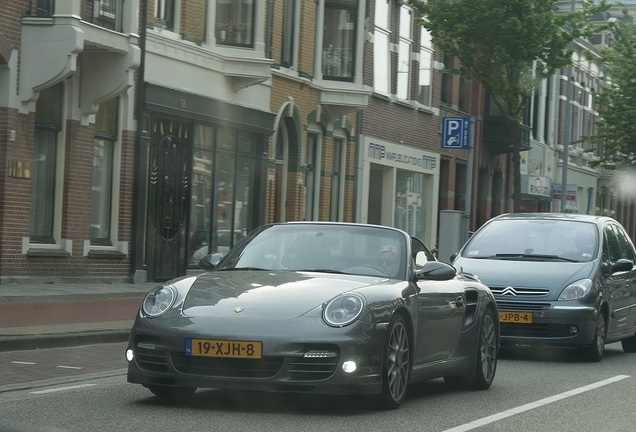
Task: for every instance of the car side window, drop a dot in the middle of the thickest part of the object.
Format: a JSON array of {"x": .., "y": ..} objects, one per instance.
[
  {"x": 627, "y": 249},
  {"x": 416, "y": 247},
  {"x": 613, "y": 246}
]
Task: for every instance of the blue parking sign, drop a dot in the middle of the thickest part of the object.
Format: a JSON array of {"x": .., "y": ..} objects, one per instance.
[{"x": 456, "y": 132}]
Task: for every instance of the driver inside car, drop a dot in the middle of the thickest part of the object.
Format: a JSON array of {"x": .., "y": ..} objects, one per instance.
[{"x": 388, "y": 260}]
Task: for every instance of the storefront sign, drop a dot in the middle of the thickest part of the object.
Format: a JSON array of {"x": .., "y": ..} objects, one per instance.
[
  {"x": 533, "y": 185},
  {"x": 571, "y": 192},
  {"x": 400, "y": 156}
]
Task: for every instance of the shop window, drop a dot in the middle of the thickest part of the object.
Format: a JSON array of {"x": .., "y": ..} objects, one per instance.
[
  {"x": 235, "y": 179},
  {"x": 202, "y": 194},
  {"x": 47, "y": 151},
  {"x": 103, "y": 188},
  {"x": 409, "y": 201},
  {"x": 235, "y": 22},
  {"x": 339, "y": 37}
]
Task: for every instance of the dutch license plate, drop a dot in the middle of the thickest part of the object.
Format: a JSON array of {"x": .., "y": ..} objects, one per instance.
[
  {"x": 515, "y": 317},
  {"x": 223, "y": 348}
]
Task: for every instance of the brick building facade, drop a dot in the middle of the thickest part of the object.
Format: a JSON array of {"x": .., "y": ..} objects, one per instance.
[
  {"x": 65, "y": 205},
  {"x": 137, "y": 136}
]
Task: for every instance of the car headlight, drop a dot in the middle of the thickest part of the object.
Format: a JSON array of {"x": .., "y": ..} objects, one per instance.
[
  {"x": 576, "y": 290},
  {"x": 159, "y": 300},
  {"x": 343, "y": 310}
]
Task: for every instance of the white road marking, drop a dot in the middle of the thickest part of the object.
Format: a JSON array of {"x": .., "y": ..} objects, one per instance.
[
  {"x": 23, "y": 363},
  {"x": 62, "y": 389},
  {"x": 69, "y": 367},
  {"x": 532, "y": 405}
]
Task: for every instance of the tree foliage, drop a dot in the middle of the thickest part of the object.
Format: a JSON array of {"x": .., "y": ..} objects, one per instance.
[
  {"x": 616, "y": 99},
  {"x": 510, "y": 46}
]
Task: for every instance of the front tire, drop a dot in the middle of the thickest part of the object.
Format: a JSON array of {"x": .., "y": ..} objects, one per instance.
[
  {"x": 629, "y": 344},
  {"x": 594, "y": 352},
  {"x": 485, "y": 358},
  {"x": 396, "y": 368},
  {"x": 487, "y": 350}
]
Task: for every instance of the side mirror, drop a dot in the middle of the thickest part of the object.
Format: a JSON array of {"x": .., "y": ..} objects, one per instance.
[
  {"x": 209, "y": 262},
  {"x": 436, "y": 270},
  {"x": 453, "y": 256},
  {"x": 622, "y": 265}
]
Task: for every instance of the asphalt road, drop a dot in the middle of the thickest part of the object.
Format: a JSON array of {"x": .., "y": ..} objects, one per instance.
[{"x": 84, "y": 388}]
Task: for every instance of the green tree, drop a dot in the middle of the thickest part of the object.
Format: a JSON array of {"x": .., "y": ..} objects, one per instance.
[
  {"x": 510, "y": 47},
  {"x": 616, "y": 99}
]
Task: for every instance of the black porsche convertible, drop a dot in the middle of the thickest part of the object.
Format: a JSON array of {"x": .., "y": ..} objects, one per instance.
[{"x": 317, "y": 307}]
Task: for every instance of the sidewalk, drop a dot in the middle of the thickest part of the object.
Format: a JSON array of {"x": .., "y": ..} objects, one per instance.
[{"x": 51, "y": 315}]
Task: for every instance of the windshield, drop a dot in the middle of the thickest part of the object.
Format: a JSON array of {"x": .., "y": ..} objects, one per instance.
[
  {"x": 331, "y": 248},
  {"x": 534, "y": 239}
]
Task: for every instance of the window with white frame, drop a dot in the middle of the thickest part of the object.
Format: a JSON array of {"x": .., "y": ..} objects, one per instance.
[
  {"x": 288, "y": 38},
  {"x": 45, "y": 180},
  {"x": 404, "y": 53},
  {"x": 382, "y": 47},
  {"x": 165, "y": 11},
  {"x": 425, "y": 83},
  {"x": 235, "y": 22},
  {"x": 103, "y": 188},
  {"x": 339, "y": 39}
]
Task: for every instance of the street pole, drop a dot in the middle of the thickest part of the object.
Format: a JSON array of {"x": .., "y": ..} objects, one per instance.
[
  {"x": 469, "y": 182},
  {"x": 568, "y": 127}
]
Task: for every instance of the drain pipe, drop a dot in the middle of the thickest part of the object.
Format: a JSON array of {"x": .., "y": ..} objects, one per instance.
[
  {"x": 140, "y": 95},
  {"x": 269, "y": 50},
  {"x": 357, "y": 177}
]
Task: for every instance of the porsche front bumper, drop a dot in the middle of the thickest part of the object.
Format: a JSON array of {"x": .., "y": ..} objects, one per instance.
[{"x": 293, "y": 359}]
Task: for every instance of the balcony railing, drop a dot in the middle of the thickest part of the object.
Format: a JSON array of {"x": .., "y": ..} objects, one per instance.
[
  {"x": 104, "y": 13},
  {"x": 40, "y": 8}
]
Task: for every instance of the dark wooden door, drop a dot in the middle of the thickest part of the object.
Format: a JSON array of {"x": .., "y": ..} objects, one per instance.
[{"x": 168, "y": 199}]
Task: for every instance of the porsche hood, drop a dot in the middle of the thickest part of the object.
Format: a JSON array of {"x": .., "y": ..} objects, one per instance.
[{"x": 259, "y": 293}]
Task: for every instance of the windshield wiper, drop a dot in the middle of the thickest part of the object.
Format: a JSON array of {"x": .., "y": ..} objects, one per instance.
[
  {"x": 246, "y": 268},
  {"x": 534, "y": 256},
  {"x": 321, "y": 270}
]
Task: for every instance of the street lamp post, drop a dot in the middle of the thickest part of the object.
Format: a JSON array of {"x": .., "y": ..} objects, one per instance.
[{"x": 568, "y": 127}]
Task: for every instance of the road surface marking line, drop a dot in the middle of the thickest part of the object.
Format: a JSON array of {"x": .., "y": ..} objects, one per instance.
[
  {"x": 69, "y": 367},
  {"x": 532, "y": 405},
  {"x": 62, "y": 389},
  {"x": 23, "y": 363}
]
